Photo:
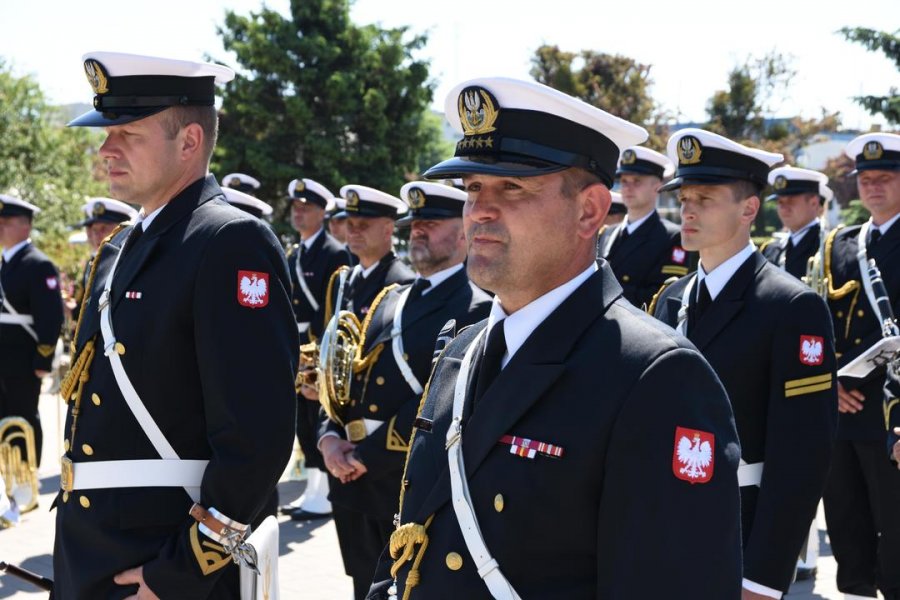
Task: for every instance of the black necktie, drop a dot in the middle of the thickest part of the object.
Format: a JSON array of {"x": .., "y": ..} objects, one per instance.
[
  {"x": 698, "y": 305},
  {"x": 136, "y": 232},
  {"x": 788, "y": 248},
  {"x": 492, "y": 360},
  {"x": 620, "y": 238},
  {"x": 419, "y": 285},
  {"x": 873, "y": 239}
]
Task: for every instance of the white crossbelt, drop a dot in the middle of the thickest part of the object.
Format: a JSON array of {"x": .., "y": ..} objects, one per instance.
[
  {"x": 488, "y": 568},
  {"x": 303, "y": 286},
  {"x": 863, "y": 258},
  {"x": 749, "y": 474},
  {"x": 397, "y": 344},
  {"x": 140, "y": 412},
  {"x": 12, "y": 317},
  {"x": 138, "y": 473}
]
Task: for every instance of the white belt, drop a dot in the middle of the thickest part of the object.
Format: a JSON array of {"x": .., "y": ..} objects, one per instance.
[
  {"x": 397, "y": 345},
  {"x": 8, "y": 319},
  {"x": 137, "y": 473},
  {"x": 750, "y": 474},
  {"x": 487, "y": 566},
  {"x": 303, "y": 327}
]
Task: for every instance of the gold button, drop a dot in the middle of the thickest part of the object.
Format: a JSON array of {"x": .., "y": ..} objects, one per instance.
[
  {"x": 65, "y": 496},
  {"x": 454, "y": 561},
  {"x": 373, "y": 408},
  {"x": 120, "y": 348},
  {"x": 857, "y": 341},
  {"x": 296, "y": 301},
  {"x": 626, "y": 278},
  {"x": 353, "y": 403},
  {"x": 359, "y": 377},
  {"x": 95, "y": 399},
  {"x": 87, "y": 449},
  {"x": 498, "y": 502},
  {"x": 84, "y": 501},
  {"x": 379, "y": 380},
  {"x": 840, "y": 314},
  {"x": 406, "y": 356},
  {"x": 66, "y": 445},
  {"x": 860, "y": 313}
]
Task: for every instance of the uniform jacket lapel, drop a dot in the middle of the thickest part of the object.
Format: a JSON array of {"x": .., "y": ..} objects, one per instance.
[
  {"x": 800, "y": 252},
  {"x": 728, "y": 303},
  {"x": 637, "y": 239}
]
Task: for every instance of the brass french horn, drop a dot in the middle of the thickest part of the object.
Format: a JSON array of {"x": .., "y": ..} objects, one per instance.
[
  {"x": 338, "y": 348},
  {"x": 19, "y": 472}
]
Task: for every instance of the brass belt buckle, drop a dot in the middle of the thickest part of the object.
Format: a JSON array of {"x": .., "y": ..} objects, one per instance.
[
  {"x": 356, "y": 430},
  {"x": 67, "y": 474}
]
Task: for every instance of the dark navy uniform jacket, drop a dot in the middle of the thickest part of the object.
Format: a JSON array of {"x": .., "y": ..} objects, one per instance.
[
  {"x": 324, "y": 256},
  {"x": 856, "y": 325},
  {"x": 784, "y": 401},
  {"x": 215, "y": 369},
  {"x": 361, "y": 291},
  {"x": 594, "y": 378},
  {"x": 382, "y": 394},
  {"x": 31, "y": 285},
  {"x": 646, "y": 258},
  {"x": 795, "y": 261}
]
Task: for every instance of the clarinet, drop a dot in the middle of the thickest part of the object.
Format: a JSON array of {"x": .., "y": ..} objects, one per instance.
[
  {"x": 883, "y": 301},
  {"x": 34, "y": 579}
]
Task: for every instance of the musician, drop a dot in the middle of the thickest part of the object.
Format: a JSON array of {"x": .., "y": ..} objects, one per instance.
[
  {"x": 311, "y": 263},
  {"x": 367, "y": 449},
  {"x": 863, "y": 490},
  {"x": 242, "y": 182},
  {"x": 801, "y": 195},
  {"x": 31, "y": 315},
  {"x": 247, "y": 203},
  {"x": 644, "y": 249},
  {"x": 568, "y": 425},
  {"x": 770, "y": 341},
  {"x": 181, "y": 394}
]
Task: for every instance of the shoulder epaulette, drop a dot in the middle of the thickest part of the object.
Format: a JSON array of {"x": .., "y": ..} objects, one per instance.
[{"x": 652, "y": 308}]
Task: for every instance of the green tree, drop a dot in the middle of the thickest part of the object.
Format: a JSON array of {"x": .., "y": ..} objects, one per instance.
[
  {"x": 45, "y": 163},
  {"x": 889, "y": 45},
  {"x": 323, "y": 98}
]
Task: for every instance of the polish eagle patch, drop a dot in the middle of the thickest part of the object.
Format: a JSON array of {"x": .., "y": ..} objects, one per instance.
[
  {"x": 694, "y": 456},
  {"x": 678, "y": 255},
  {"x": 253, "y": 289},
  {"x": 811, "y": 350}
]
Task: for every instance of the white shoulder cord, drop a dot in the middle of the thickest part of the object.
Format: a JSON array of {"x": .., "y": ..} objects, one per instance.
[{"x": 397, "y": 344}]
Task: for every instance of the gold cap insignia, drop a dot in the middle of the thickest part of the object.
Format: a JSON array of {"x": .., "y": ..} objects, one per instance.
[
  {"x": 629, "y": 157},
  {"x": 416, "y": 198},
  {"x": 873, "y": 150},
  {"x": 96, "y": 76},
  {"x": 352, "y": 200},
  {"x": 477, "y": 111},
  {"x": 300, "y": 186},
  {"x": 689, "y": 150},
  {"x": 234, "y": 183},
  {"x": 99, "y": 209},
  {"x": 781, "y": 182}
]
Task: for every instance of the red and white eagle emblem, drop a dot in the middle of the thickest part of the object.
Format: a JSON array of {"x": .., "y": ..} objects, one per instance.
[
  {"x": 694, "y": 456},
  {"x": 253, "y": 289},
  {"x": 678, "y": 255},
  {"x": 811, "y": 350}
]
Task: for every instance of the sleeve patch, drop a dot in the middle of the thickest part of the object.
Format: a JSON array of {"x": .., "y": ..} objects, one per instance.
[
  {"x": 674, "y": 270},
  {"x": 46, "y": 350},
  {"x": 678, "y": 255},
  {"x": 395, "y": 441},
  {"x": 253, "y": 289},
  {"x": 808, "y": 385},
  {"x": 693, "y": 457},
  {"x": 210, "y": 560},
  {"x": 811, "y": 350}
]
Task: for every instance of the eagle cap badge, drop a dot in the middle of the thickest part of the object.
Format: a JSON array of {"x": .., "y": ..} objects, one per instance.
[
  {"x": 416, "y": 198},
  {"x": 694, "y": 456},
  {"x": 478, "y": 110},
  {"x": 253, "y": 289},
  {"x": 689, "y": 150},
  {"x": 352, "y": 200},
  {"x": 629, "y": 157},
  {"x": 811, "y": 350},
  {"x": 96, "y": 76},
  {"x": 98, "y": 210},
  {"x": 873, "y": 150},
  {"x": 780, "y": 182}
]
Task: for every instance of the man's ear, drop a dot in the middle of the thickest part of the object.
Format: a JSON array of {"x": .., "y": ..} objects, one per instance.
[
  {"x": 191, "y": 140},
  {"x": 751, "y": 208},
  {"x": 594, "y": 201}
]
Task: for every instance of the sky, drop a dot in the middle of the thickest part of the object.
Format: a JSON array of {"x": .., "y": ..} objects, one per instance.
[{"x": 691, "y": 45}]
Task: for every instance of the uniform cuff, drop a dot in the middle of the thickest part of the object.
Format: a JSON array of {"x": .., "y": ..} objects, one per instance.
[
  {"x": 327, "y": 434},
  {"x": 756, "y": 588}
]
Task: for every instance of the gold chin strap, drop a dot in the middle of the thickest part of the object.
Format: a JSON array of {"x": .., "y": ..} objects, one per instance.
[{"x": 403, "y": 544}]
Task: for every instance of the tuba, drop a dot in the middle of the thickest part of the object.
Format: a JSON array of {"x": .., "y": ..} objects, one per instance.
[
  {"x": 815, "y": 277},
  {"x": 338, "y": 349},
  {"x": 19, "y": 472}
]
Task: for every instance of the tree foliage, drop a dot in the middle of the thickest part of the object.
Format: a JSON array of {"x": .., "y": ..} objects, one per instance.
[
  {"x": 47, "y": 164},
  {"x": 889, "y": 45},
  {"x": 320, "y": 97}
]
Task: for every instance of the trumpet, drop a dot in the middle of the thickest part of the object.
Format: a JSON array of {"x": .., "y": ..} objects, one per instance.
[{"x": 815, "y": 277}]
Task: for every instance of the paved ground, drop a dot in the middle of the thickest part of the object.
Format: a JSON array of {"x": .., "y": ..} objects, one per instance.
[{"x": 310, "y": 565}]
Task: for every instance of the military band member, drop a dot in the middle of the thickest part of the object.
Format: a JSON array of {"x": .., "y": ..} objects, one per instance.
[
  {"x": 525, "y": 477},
  {"x": 782, "y": 387},
  {"x": 644, "y": 250},
  {"x": 863, "y": 490},
  {"x": 369, "y": 451},
  {"x": 617, "y": 211},
  {"x": 801, "y": 195},
  {"x": 103, "y": 215},
  {"x": 337, "y": 221},
  {"x": 370, "y": 227},
  {"x": 31, "y": 315},
  {"x": 311, "y": 263},
  {"x": 242, "y": 183},
  {"x": 247, "y": 203},
  {"x": 181, "y": 395}
]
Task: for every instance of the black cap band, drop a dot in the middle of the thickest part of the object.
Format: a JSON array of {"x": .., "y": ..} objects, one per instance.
[
  {"x": 641, "y": 167},
  {"x": 364, "y": 208},
  {"x": 310, "y": 197},
  {"x": 887, "y": 160}
]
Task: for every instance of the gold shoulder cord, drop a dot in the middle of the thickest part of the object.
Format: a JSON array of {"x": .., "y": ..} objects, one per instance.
[
  {"x": 371, "y": 358},
  {"x": 851, "y": 286},
  {"x": 652, "y": 308},
  {"x": 72, "y": 386},
  {"x": 765, "y": 244},
  {"x": 329, "y": 293},
  {"x": 406, "y": 536}
]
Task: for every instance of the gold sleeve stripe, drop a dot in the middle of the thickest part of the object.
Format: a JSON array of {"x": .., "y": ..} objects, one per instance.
[
  {"x": 209, "y": 561},
  {"x": 795, "y": 383},
  {"x": 395, "y": 440},
  {"x": 674, "y": 270},
  {"x": 807, "y": 390}
]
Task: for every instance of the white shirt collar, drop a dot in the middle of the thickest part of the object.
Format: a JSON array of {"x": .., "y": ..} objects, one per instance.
[
  {"x": 440, "y": 277},
  {"x": 8, "y": 253},
  {"x": 367, "y": 272},
  {"x": 632, "y": 226},
  {"x": 307, "y": 243},
  {"x": 721, "y": 275},
  {"x": 144, "y": 222},
  {"x": 519, "y": 325},
  {"x": 798, "y": 235},
  {"x": 883, "y": 228}
]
